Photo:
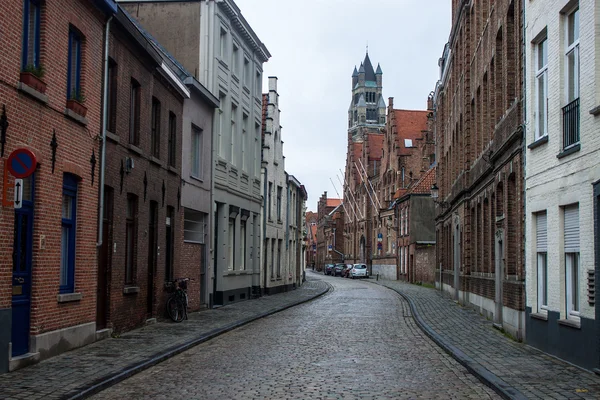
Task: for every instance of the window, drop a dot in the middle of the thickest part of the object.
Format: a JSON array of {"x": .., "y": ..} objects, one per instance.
[
  {"x": 244, "y": 243},
  {"x": 155, "y": 130},
  {"x": 220, "y": 137},
  {"x": 223, "y": 44},
  {"x": 279, "y": 189},
  {"x": 233, "y": 143},
  {"x": 247, "y": 81},
  {"x": 279, "y": 242},
  {"x": 31, "y": 36},
  {"x": 111, "y": 97},
  {"x": 67, "y": 248},
  {"x": 172, "y": 146},
  {"x": 197, "y": 148},
  {"x": 170, "y": 243},
  {"x": 194, "y": 226},
  {"x": 272, "y": 258},
  {"x": 542, "y": 259},
  {"x": 231, "y": 244},
  {"x": 244, "y": 141},
  {"x": 131, "y": 238},
  {"x": 571, "y": 110},
  {"x": 257, "y": 159},
  {"x": 270, "y": 196},
  {"x": 571, "y": 248},
  {"x": 258, "y": 85},
  {"x": 541, "y": 89},
  {"x": 235, "y": 59},
  {"x": 134, "y": 113},
  {"x": 74, "y": 68}
]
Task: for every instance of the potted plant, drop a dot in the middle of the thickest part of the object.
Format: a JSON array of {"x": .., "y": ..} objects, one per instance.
[
  {"x": 75, "y": 103},
  {"x": 32, "y": 77}
]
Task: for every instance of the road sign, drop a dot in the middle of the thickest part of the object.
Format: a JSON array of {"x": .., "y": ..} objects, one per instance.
[
  {"x": 380, "y": 237},
  {"x": 379, "y": 245},
  {"x": 22, "y": 163},
  {"x": 18, "y": 202},
  {"x": 329, "y": 247}
]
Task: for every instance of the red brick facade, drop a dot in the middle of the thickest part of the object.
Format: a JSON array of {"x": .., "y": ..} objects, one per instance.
[
  {"x": 151, "y": 180},
  {"x": 34, "y": 116},
  {"x": 480, "y": 174}
]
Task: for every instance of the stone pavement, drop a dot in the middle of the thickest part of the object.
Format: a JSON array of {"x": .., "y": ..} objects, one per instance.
[
  {"x": 80, "y": 373},
  {"x": 513, "y": 369}
]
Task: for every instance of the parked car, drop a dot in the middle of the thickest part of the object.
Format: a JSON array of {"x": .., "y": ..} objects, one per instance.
[
  {"x": 359, "y": 271},
  {"x": 338, "y": 269},
  {"x": 328, "y": 270}
]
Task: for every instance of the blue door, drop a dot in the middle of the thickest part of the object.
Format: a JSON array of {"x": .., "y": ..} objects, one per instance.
[{"x": 21, "y": 280}]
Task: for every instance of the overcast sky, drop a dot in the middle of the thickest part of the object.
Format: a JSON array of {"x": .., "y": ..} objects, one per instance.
[{"x": 314, "y": 46}]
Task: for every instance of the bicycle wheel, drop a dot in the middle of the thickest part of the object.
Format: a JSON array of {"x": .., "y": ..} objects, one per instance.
[{"x": 175, "y": 309}]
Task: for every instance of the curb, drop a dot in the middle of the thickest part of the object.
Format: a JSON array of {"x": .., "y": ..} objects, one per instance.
[
  {"x": 113, "y": 379},
  {"x": 483, "y": 374}
]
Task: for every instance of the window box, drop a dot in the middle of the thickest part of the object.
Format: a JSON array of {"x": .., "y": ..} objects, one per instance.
[
  {"x": 76, "y": 107},
  {"x": 29, "y": 79}
]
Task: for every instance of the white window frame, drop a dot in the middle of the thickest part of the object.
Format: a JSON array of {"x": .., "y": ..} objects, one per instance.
[
  {"x": 542, "y": 260},
  {"x": 196, "y": 149},
  {"x": 572, "y": 48},
  {"x": 571, "y": 240},
  {"x": 541, "y": 88},
  {"x": 233, "y": 128},
  {"x": 223, "y": 44},
  {"x": 231, "y": 234}
]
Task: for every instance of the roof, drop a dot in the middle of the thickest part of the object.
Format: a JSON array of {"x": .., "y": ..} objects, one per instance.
[
  {"x": 355, "y": 73},
  {"x": 423, "y": 185},
  {"x": 333, "y": 202},
  {"x": 410, "y": 124},
  {"x": 375, "y": 146},
  {"x": 369, "y": 71}
]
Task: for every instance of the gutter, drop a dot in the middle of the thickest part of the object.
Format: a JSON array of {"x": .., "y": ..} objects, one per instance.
[{"x": 104, "y": 124}]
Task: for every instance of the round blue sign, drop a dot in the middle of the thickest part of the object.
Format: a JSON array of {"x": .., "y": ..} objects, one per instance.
[{"x": 21, "y": 163}]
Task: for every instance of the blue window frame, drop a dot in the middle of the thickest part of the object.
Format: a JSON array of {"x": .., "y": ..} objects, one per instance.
[
  {"x": 67, "y": 248},
  {"x": 74, "y": 70},
  {"x": 31, "y": 34}
]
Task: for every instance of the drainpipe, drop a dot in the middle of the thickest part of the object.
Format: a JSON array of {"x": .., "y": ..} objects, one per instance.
[
  {"x": 521, "y": 329},
  {"x": 104, "y": 123}
]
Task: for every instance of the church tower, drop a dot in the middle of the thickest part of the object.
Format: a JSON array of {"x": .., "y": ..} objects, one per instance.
[{"x": 367, "y": 108}]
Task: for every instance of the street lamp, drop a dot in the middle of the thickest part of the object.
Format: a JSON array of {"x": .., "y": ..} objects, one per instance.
[{"x": 435, "y": 193}]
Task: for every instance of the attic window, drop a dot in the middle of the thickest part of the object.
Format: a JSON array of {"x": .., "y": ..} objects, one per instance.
[{"x": 408, "y": 143}]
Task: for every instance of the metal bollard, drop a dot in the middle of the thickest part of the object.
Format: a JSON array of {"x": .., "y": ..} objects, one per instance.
[{"x": 377, "y": 276}]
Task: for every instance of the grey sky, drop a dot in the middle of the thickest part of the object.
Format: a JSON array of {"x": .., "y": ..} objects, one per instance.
[{"x": 315, "y": 45}]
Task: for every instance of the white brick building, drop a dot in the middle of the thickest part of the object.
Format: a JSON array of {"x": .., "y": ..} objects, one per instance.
[{"x": 563, "y": 171}]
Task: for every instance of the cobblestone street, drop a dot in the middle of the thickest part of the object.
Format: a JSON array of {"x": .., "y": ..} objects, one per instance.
[{"x": 357, "y": 341}]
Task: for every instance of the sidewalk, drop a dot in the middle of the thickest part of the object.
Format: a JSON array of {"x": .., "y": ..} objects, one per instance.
[
  {"x": 513, "y": 369},
  {"x": 84, "y": 371}
]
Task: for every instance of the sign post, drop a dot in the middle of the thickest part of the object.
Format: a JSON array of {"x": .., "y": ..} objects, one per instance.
[{"x": 18, "y": 200}]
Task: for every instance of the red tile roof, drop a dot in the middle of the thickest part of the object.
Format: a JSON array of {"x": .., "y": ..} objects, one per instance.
[
  {"x": 423, "y": 185},
  {"x": 409, "y": 125},
  {"x": 333, "y": 202}
]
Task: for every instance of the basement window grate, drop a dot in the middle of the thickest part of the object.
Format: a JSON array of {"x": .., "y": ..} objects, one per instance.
[{"x": 591, "y": 287}]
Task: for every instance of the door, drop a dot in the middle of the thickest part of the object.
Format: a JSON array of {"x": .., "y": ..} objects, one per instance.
[
  {"x": 499, "y": 261},
  {"x": 152, "y": 254},
  {"x": 102, "y": 298},
  {"x": 202, "y": 273},
  {"x": 456, "y": 252},
  {"x": 21, "y": 278}
]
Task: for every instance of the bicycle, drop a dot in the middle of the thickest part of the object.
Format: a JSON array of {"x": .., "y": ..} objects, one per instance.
[{"x": 177, "y": 302}]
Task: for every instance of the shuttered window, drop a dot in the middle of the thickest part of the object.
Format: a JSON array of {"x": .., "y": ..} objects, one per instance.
[
  {"x": 542, "y": 259},
  {"x": 542, "y": 231},
  {"x": 572, "y": 229},
  {"x": 571, "y": 242}
]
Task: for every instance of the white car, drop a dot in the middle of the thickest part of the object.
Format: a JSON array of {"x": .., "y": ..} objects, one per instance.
[{"x": 359, "y": 271}]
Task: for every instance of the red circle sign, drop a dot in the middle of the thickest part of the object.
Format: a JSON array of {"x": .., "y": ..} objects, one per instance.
[{"x": 22, "y": 163}]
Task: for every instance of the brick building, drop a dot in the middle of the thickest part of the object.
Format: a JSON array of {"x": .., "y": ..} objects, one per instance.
[
  {"x": 333, "y": 236},
  {"x": 563, "y": 173},
  {"x": 405, "y": 156},
  {"x": 366, "y": 124},
  {"x": 50, "y": 99},
  {"x": 325, "y": 207},
  {"x": 143, "y": 220},
  {"x": 311, "y": 238},
  {"x": 479, "y": 136}
]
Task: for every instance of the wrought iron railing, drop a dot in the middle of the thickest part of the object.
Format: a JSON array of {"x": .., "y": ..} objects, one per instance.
[{"x": 571, "y": 123}]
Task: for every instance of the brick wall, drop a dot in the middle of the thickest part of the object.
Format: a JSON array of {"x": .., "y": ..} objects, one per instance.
[
  {"x": 32, "y": 122},
  {"x": 130, "y": 310}
]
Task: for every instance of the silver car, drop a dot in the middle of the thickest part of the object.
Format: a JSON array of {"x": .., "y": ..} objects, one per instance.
[{"x": 359, "y": 271}]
